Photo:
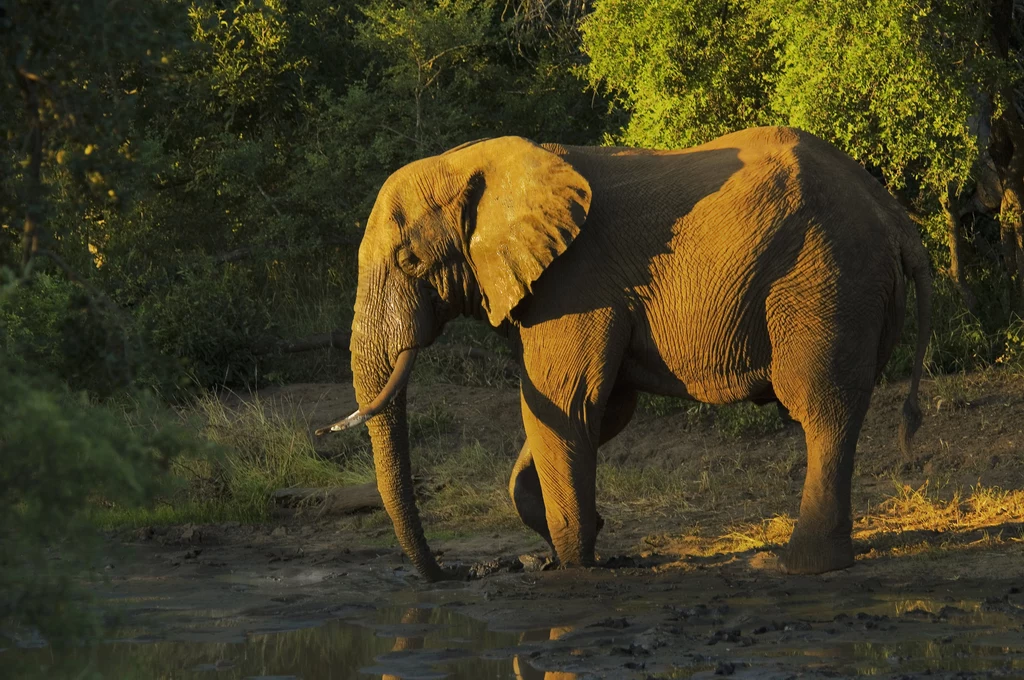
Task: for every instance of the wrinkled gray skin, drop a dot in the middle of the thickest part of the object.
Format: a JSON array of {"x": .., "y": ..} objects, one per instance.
[{"x": 764, "y": 266}]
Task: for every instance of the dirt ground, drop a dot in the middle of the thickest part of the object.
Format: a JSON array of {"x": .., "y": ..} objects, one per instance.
[{"x": 938, "y": 601}]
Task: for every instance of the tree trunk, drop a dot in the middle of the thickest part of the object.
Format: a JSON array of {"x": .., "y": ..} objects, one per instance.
[
  {"x": 1012, "y": 234},
  {"x": 1007, "y": 151},
  {"x": 954, "y": 233},
  {"x": 32, "y": 229},
  {"x": 340, "y": 500}
]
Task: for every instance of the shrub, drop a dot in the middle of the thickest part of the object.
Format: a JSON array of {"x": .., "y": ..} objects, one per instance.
[
  {"x": 209, "y": 322},
  {"x": 61, "y": 453},
  {"x": 32, "y": 318}
]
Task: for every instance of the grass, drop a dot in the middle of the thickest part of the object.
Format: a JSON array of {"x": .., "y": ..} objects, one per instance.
[
  {"x": 954, "y": 391},
  {"x": 470, "y": 487},
  {"x": 721, "y": 495},
  {"x": 921, "y": 521},
  {"x": 260, "y": 450},
  {"x": 628, "y": 489},
  {"x": 266, "y": 446}
]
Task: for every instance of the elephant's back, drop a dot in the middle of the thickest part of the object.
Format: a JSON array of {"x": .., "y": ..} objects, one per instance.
[{"x": 701, "y": 238}]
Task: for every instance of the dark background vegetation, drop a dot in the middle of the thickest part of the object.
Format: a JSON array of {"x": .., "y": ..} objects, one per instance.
[{"x": 183, "y": 185}]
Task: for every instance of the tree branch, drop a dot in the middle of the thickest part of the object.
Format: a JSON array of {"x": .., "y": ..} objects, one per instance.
[{"x": 273, "y": 204}]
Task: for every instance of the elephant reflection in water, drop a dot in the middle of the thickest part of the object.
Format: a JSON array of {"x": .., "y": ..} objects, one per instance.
[
  {"x": 523, "y": 670},
  {"x": 414, "y": 616},
  {"x": 522, "y": 667}
]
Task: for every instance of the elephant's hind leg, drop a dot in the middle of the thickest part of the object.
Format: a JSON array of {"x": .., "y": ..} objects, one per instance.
[
  {"x": 831, "y": 412},
  {"x": 825, "y": 379}
]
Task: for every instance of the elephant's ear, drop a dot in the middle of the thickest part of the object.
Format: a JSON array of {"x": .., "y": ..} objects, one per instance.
[{"x": 529, "y": 206}]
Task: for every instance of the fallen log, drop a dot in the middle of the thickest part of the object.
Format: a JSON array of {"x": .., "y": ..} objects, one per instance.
[{"x": 335, "y": 500}]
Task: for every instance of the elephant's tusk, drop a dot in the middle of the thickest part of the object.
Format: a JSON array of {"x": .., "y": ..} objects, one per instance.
[
  {"x": 357, "y": 418},
  {"x": 399, "y": 377}
]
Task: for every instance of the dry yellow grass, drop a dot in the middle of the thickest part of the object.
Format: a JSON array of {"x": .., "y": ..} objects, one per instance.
[{"x": 911, "y": 521}]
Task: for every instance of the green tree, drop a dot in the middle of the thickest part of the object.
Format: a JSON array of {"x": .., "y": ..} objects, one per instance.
[
  {"x": 687, "y": 70},
  {"x": 895, "y": 84},
  {"x": 431, "y": 56},
  {"x": 925, "y": 93},
  {"x": 68, "y": 100}
]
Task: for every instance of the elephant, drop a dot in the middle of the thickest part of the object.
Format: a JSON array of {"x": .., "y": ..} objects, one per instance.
[{"x": 765, "y": 265}]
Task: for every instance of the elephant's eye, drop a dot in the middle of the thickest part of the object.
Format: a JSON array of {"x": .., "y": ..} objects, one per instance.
[{"x": 408, "y": 262}]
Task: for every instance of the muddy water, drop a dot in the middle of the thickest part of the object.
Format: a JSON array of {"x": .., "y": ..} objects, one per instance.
[
  {"x": 393, "y": 642},
  {"x": 878, "y": 634}
]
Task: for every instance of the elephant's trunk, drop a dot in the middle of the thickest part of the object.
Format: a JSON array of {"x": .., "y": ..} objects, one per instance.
[{"x": 389, "y": 434}]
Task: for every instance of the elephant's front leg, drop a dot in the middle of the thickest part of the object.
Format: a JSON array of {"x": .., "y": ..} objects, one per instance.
[
  {"x": 570, "y": 362},
  {"x": 566, "y": 468},
  {"x": 528, "y": 500},
  {"x": 524, "y": 484}
]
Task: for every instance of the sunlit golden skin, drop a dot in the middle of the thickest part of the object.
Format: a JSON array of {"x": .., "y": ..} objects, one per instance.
[{"x": 763, "y": 266}]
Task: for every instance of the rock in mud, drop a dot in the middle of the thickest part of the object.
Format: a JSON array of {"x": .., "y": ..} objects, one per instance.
[
  {"x": 921, "y": 614},
  {"x": 617, "y": 623},
  {"x": 531, "y": 563},
  {"x": 143, "y": 534},
  {"x": 724, "y": 636},
  {"x": 656, "y": 638},
  {"x": 191, "y": 534},
  {"x": 629, "y": 562},
  {"x": 633, "y": 650},
  {"x": 502, "y": 564}
]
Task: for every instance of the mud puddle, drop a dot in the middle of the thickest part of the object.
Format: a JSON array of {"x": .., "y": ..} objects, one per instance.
[
  {"x": 414, "y": 643},
  {"x": 879, "y": 634}
]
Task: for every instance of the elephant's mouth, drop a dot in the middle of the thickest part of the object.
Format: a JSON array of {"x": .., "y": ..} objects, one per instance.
[{"x": 395, "y": 384}]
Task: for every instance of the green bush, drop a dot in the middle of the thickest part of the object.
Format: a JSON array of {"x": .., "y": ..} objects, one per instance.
[
  {"x": 210, "y": 322},
  {"x": 32, "y": 320},
  {"x": 747, "y": 420},
  {"x": 62, "y": 454},
  {"x": 1013, "y": 344}
]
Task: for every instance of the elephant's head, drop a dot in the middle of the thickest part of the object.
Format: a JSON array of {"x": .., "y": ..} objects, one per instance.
[{"x": 463, "y": 233}]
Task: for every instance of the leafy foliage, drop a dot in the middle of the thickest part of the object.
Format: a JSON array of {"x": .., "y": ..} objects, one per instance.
[
  {"x": 62, "y": 453},
  {"x": 917, "y": 90},
  {"x": 838, "y": 80},
  {"x": 687, "y": 71}
]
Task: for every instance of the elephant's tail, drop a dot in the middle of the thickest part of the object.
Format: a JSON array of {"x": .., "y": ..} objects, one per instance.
[{"x": 915, "y": 266}]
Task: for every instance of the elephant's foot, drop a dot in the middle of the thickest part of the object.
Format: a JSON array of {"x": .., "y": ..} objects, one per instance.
[
  {"x": 555, "y": 562},
  {"x": 816, "y": 554},
  {"x": 574, "y": 549}
]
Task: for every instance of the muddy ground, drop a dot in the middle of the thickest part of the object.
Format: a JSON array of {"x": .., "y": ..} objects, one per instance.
[{"x": 317, "y": 597}]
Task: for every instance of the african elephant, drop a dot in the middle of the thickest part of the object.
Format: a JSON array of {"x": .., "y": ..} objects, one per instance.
[{"x": 765, "y": 265}]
